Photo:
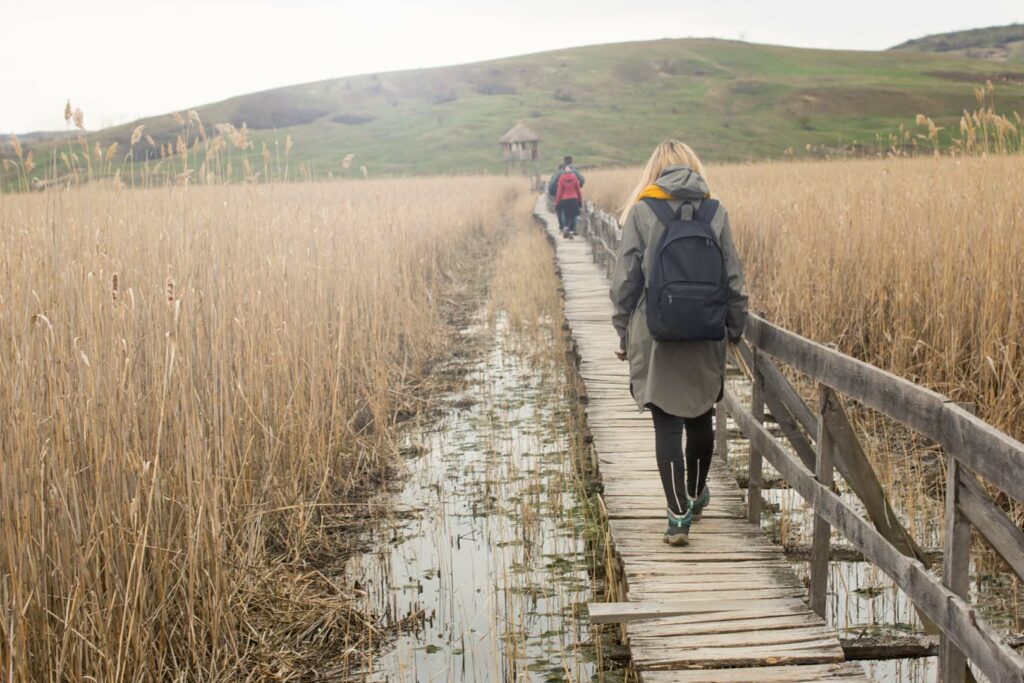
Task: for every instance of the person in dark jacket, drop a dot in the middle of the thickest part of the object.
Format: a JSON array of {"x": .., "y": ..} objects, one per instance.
[
  {"x": 553, "y": 186},
  {"x": 553, "y": 181},
  {"x": 678, "y": 381}
]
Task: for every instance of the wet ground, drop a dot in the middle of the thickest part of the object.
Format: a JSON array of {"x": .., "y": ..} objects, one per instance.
[{"x": 486, "y": 565}]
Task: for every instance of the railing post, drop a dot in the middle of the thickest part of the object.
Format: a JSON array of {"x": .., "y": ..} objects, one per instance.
[
  {"x": 755, "y": 457},
  {"x": 722, "y": 432},
  {"x": 956, "y": 561},
  {"x": 606, "y": 243},
  {"x": 823, "y": 472}
]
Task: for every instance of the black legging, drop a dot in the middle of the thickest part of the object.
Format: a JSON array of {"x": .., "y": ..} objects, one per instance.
[
  {"x": 568, "y": 212},
  {"x": 682, "y": 478}
]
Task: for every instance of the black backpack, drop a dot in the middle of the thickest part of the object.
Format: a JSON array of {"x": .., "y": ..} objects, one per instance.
[{"x": 687, "y": 290}]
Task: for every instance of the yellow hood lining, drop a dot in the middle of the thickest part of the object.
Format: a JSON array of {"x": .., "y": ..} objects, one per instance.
[
  {"x": 653, "y": 192},
  {"x": 656, "y": 192}
]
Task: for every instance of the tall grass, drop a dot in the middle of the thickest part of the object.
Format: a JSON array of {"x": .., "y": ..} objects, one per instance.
[
  {"x": 192, "y": 155},
  {"x": 195, "y": 386}
]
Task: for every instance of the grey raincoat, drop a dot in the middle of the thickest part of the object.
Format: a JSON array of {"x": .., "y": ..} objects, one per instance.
[{"x": 681, "y": 378}]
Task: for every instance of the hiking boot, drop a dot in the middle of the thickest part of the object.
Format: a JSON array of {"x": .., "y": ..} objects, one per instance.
[
  {"x": 699, "y": 503},
  {"x": 678, "y": 532}
]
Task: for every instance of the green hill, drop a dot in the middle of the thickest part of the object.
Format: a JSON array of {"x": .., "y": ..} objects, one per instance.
[
  {"x": 606, "y": 104},
  {"x": 997, "y": 43}
]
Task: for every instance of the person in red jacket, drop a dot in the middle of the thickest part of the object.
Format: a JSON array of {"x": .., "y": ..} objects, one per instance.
[{"x": 568, "y": 198}]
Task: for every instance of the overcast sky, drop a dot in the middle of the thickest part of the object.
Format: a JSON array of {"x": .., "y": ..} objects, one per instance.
[{"x": 122, "y": 59}]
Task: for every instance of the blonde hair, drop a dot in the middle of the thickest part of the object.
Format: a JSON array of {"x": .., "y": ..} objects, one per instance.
[{"x": 668, "y": 153}]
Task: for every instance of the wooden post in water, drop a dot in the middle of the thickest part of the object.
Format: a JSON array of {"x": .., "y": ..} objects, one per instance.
[
  {"x": 820, "y": 544},
  {"x": 755, "y": 458},
  {"x": 956, "y": 560},
  {"x": 722, "y": 432}
]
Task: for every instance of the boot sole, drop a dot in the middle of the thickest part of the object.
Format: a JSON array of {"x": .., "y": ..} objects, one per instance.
[{"x": 676, "y": 540}]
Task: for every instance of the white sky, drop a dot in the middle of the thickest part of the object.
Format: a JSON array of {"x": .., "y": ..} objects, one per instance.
[{"x": 122, "y": 59}]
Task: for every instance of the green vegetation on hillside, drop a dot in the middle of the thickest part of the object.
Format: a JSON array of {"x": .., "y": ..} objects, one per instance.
[
  {"x": 998, "y": 43},
  {"x": 606, "y": 104}
]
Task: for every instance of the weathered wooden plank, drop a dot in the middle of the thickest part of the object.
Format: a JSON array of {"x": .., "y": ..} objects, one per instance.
[
  {"x": 776, "y": 386},
  {"x": 622, "y": 612},
  {"x": 643, "y": 531},
  {"x": 954, "y": 616},
  {"x": 704, "y": 564},
  {"x": 822, "y": 532},
  {"x": 721, "y": 433},
  {"x": 855, "y": 467},
  {"x": 774, "y": 674},
  {"x": 727, "y": 556},
  {"x": 701, "y": 546},
  {"x": 718, "y": 623},
  {"x": 845, "y": 553},
  {"x": 678, "y": 656},
  {"x": 755, "y": 638},
  {"x": 770, "y": 569},
  {"x": 698, "y": 552},
  {"x": 651, "y": 587},
  {"x": 1002, "y": 534},
  {"x": 890, "y": 646},
  {"x": 755, "y": 456},
  {"x": 732, "y": 582},
  {"x": 956, "y": 564}
]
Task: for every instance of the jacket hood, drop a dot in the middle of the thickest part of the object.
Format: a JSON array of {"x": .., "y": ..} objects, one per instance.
[{"x": 678, "y": 182}]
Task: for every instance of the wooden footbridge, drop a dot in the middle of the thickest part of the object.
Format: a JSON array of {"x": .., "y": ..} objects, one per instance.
[{"x": 729, "y": 607}]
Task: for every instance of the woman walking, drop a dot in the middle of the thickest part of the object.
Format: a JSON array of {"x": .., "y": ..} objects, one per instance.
[{"x": 677, "y": 370}]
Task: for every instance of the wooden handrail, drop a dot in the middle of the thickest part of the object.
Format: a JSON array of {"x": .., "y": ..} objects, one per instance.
[{"x": 996, "y": 456}]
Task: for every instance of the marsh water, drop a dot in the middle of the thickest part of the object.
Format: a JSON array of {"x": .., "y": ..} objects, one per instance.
[{"x": 484, "y": 567}]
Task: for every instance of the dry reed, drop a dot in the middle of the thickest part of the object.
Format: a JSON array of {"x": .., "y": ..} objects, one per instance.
[{"x": 195, "y": 386}]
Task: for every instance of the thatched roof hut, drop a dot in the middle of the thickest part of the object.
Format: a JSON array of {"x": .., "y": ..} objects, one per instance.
[
  {"x": 519, "y": 133},
  {"x": 520, "y": 144}
]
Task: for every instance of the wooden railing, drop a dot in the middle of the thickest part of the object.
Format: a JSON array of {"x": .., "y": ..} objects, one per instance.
[
  {"x": 824, "y": 440},
  {"x": 602, "y": 231}
]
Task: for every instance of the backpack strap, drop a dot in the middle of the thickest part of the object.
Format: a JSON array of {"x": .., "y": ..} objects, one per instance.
[
  {"x": 662, "y": 210},
  {"x": 706, "y": 212}
]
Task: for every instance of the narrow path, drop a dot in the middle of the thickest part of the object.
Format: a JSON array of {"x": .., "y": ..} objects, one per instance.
[{"x": 748, "y": 620}]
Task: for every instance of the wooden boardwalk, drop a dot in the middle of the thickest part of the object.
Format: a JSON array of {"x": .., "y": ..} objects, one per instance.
[{"x": 738, "y": 608}]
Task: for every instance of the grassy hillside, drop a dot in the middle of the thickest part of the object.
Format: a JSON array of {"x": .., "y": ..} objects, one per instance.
[
  {"x": 606, "y": 104},
  {"x": 998, "y": 43}
]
